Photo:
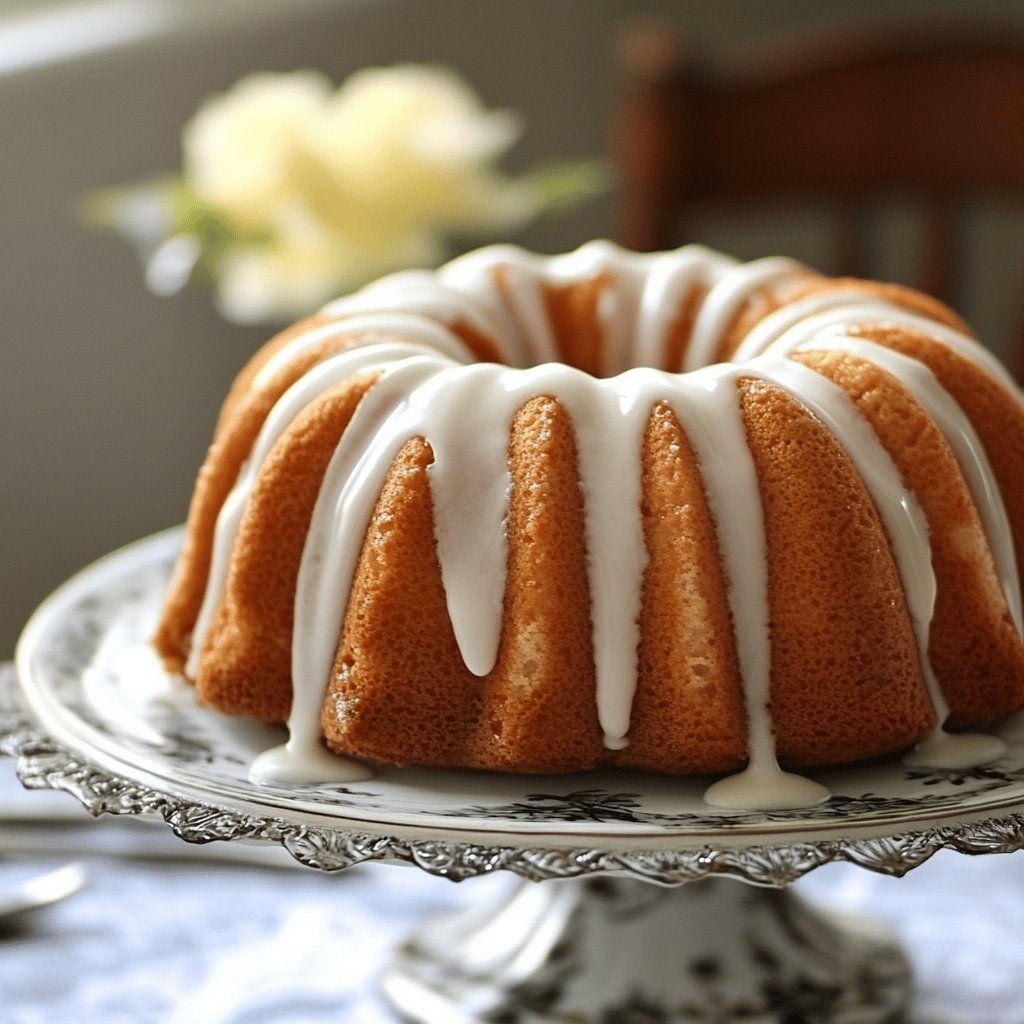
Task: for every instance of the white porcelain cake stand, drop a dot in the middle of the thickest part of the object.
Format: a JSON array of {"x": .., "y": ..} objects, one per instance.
[{"x": 95, "y": 716}]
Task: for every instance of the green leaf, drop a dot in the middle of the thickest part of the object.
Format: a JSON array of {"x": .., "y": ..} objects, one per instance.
[{"x": 567, "y": 184}]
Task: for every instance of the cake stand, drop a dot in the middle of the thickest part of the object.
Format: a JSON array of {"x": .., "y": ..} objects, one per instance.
[{"x": 612, "y": 937}]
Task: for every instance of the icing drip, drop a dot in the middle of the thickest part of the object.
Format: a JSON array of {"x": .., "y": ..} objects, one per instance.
[
  {"x": 665, "y": 288},
  {"x": 609, "y": 417},
  {"x": 967, "y": 449},
  {"x": 708, "y": 409},
  {"x": 724, "y": 301},
  {"x": 295, "y": 399},
  {"x": 470, "y": 508},
  {"x": 840, "y": 312},
  {"x": 375, "y": 329},
  {"x": 302, "y": 763},
  {"x": 342, "y": 511},
  {"x": 403, "y": 328},
  {"x": 939, "y": 749}
]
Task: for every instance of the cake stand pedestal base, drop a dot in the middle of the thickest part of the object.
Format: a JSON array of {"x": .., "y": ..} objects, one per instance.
[{"x": 617, "y": 951}]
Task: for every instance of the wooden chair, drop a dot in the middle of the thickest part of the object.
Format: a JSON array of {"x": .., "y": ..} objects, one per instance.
[{"x": 842, "y": 120}]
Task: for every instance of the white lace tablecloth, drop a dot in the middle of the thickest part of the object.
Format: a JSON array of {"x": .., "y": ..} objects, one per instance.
[{"x": 198, "y": 943}]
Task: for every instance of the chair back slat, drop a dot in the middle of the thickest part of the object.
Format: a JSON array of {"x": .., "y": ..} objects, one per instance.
[{"x": 845, "y": 121}]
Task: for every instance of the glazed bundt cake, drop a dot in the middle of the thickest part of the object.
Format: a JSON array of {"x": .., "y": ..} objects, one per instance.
[{"x": 665, "y": 511}]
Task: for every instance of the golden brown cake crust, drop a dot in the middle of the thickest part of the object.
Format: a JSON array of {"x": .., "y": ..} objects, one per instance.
[
  {"x": 974, "y": 648},
  {"x": 400, "y": 692},
  {"x": 996, "y": 414},
  {"x": 688, "y": 713},
  {"x": 246, "y": 662},
  {"x": 846, "y": 683}
]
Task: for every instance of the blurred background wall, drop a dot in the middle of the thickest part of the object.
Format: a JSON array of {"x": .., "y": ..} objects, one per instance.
[{"x": 107, "y": 393}]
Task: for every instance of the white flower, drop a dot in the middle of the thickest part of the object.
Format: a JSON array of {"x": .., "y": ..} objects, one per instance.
[
  {"x": 334, "y": 188},
  {"x": 282, "y": 281},
  {"x": 293, "y": 191},
  {"x": 305, "y": 266},
  {"x": 414, "y": 145},
  {"x": 240, "y": 148}
]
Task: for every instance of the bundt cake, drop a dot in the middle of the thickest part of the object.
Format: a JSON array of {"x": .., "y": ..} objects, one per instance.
[{"x": 665, "y": 511}]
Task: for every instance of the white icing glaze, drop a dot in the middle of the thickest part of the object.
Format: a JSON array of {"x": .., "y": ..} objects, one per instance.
[
  {"x": 313, "y": 765},
  {"x": 842, "y": 311},
  {"x": 766, "y": 788},
  {"x": 955, "y": 750},
  {"x": 308, "y": 388},
  {"x": 369, "y": 329},
  {"x": 405, "y": 329},
  {"x": 709, "y": 413},
  {"x": 967, "y": 449},
  {"x": 724, "y": 301}
]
